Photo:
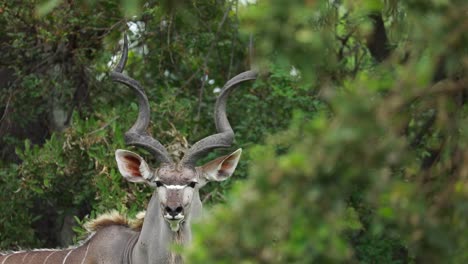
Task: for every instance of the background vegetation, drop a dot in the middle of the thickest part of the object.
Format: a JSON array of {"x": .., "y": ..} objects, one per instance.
[{"x": 355, "y": 135}]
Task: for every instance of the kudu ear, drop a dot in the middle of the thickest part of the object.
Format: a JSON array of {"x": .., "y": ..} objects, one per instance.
[
  {"x": 132, "y": 167},
  {"x": 221, "y": 168}
]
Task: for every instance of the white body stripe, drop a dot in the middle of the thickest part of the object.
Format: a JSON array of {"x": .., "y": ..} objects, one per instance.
[
  {"x": 3, "y": 262},
  {"x": 65, "y": 259},
  {"x": 45, "y": 260},
  {"x": 25, "y": 255},
  {"x": 86, "y": 253}
]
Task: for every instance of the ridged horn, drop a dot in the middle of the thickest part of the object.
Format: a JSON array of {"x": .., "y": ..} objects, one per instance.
[
  {"x": 137, "y": 135},
  {"x": 225, "y": 135}
]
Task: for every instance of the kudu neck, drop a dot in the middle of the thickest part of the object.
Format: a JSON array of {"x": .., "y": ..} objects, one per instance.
[{"x": 156, "y": 237}]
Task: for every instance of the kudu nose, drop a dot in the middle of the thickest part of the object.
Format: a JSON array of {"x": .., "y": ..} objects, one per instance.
[{"x": 174, "y": 211}]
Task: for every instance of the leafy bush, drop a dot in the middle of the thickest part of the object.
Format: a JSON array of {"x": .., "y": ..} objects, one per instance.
[
  {"x": 354, "y": 135},
  {"x": 379, "y": 175}
]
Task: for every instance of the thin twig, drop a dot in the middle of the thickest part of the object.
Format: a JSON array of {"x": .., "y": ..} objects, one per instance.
[
  {"x": 104, "y": 126},
  {"x": 189, "y": 80},
  {"x": 442, "y": 87},
  {"x": 171, "y": 19},
  {"x": 208, "y": 195},
  {"x": 6, "y": 107},
  {"x": 205, "y": 60},
  {"x": 395, "y": 103},
  {"x": 14, "y": 82},
  {"x": 251, "y": 50},
  {"x": 233, "y": 38},
  {"x": 106, "y": 30},
  {"x": 200, "y": 95}
]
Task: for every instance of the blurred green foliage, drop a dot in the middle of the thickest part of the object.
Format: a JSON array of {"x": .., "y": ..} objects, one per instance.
[
  {"x": 355, "y": 135},
  {"x": 380, "y": 174}
]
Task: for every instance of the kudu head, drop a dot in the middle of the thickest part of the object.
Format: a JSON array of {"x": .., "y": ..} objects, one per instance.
[{"x": 176, "y": 184}]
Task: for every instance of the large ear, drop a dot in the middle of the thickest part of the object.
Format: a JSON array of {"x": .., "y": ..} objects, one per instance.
[
  {"x": 221, "y": 168},
  {"x": 132, "y": 166}
]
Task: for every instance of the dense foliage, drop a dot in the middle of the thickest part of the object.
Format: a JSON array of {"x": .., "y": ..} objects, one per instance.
[{"x": 355, "y": 135}]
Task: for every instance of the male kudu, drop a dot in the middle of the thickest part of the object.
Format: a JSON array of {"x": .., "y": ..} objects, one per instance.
[{"x": 175, "y": 200}]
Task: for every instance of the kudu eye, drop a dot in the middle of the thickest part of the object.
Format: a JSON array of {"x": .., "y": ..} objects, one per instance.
[
  {"x": 192, "y": 184},
  {"x": 158, "y": 183}
]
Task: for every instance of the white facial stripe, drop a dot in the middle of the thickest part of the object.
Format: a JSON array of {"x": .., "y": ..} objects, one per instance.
[{"x": 175, "y": 187}]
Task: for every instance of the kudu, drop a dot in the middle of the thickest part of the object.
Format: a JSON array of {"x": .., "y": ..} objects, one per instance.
[{"x": 175, "y": 201}]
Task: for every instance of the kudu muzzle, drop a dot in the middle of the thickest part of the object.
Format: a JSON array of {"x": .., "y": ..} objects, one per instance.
[{"x": 173, "y": 206}]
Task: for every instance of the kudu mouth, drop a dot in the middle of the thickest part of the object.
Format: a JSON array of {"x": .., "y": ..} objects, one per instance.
[{"x": 174, "y": 221}]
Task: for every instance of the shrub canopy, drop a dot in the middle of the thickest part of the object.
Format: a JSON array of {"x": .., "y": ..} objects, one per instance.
[{"x": 355, "y": 135}]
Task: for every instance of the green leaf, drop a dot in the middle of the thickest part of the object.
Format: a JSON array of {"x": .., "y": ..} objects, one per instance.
[
  {"x": 46, "y": 7},
  {"x": 131, "y": 8}
]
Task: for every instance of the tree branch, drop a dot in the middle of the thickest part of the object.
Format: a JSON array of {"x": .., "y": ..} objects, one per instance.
[{"x": 377, "y": 41}]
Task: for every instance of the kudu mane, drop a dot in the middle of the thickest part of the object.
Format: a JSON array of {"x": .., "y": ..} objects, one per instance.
[{"x": 115, "y": 218}]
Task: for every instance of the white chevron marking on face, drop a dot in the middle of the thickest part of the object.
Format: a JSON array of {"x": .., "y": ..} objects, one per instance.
[
  {"x": 175, "y": 187},
  {"x": 179, "y": 216}
]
